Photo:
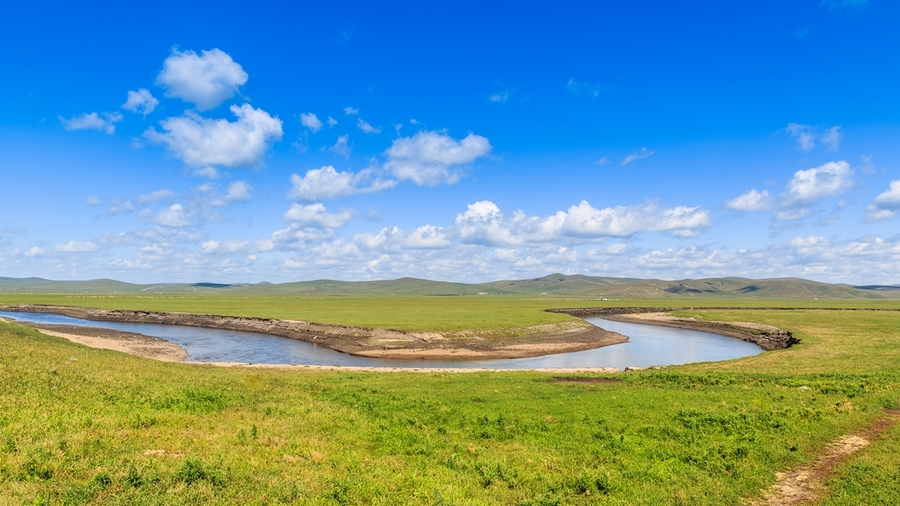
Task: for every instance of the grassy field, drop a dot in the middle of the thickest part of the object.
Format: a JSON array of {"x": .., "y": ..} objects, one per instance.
[
  {"x": 81, "y": 426},
  {"x": 407, "y": 312}
]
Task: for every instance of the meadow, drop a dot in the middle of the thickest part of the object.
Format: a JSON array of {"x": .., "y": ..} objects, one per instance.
[{"x": 85, "y": 426}]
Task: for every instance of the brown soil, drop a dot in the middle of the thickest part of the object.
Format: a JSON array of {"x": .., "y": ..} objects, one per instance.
[
  {"x": 807, "y": 484},
  {"x": 108, "y": 339},
  {"x": 538, "y": 340}
]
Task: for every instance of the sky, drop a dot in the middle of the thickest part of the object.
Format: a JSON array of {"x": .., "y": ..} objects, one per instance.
[{"x": 460, "y": 141}]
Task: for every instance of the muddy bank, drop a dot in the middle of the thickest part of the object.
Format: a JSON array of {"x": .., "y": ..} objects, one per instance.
[
  {"x": 766, "y": 337},
  {"x": 537, "y": 340},
  {"x": 108, "y": 339}
]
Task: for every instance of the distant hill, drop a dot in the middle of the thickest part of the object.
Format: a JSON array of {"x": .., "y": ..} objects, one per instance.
[{"x": 557, "y": 285}]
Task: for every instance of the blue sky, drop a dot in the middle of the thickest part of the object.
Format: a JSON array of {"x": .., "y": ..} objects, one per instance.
[{"x": 468, "y": 142}]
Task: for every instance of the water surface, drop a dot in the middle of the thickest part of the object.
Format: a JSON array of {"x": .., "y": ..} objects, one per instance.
[{"x": 648, "y": 345}]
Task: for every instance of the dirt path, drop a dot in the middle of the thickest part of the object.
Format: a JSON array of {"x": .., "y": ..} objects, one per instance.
[{"x": 807, "y": 484}]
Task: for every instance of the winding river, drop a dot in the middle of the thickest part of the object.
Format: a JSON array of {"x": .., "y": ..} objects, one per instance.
[{"x": 648, "y": 345}]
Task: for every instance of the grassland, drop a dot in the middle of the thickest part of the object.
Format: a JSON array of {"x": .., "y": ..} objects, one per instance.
[
  {"x": 405, "y": 312},
  {"x": 114, "y": 429}
]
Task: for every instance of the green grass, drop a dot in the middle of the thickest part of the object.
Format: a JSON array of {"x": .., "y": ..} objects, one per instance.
[
  {"x": 79, "y": 431},
  {"x": 440, "y": 314}
]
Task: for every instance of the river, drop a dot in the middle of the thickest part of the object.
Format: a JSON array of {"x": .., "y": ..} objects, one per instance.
[{"x": 648, "y": 345}]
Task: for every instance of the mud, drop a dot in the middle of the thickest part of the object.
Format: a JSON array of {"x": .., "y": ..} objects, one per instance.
[
  {"x": 766, "y": 336},
  {"x": 537, "y": 341},
  {"x": 108, "y": 339}
]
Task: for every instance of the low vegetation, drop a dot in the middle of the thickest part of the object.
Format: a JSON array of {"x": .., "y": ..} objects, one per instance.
[{"x": 79, "y": 425}]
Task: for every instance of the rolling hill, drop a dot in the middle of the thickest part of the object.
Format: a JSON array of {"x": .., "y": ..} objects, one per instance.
[{"x": 557, "y": 285}]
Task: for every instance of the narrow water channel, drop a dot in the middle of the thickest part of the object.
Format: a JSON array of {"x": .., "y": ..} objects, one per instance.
[{"x": 647, "y": 346}]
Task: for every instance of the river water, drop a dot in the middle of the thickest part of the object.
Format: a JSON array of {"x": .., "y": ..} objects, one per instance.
[{"x": 647, "y": 346}]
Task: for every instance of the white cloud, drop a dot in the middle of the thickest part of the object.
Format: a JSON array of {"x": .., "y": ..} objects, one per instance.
[
  {"x": 156, "y": 196},
  {"x": 366, "y": 127},
  {"x": 342, "y": 147},
  {"x": 205, "y": 80},
  {"x": 316, "y": 216},
  {"x": 34, "y": 251},
  {"x": 751, "y": 201},
  {"x": 331, "y": 121},
  {"x": 140, "y": 101},
  {"x": 806, "y": 188},
  {"x": 832, "y": 138},
  {"x": 92, "y": 121},
  {"x": 238, "y": 191},
  {"x": 204, "y": 143},
  {"x": 804, "y": 134},
  {"x": 811, "y": 185},
  {"x": 120, "y": 207},
  {"x": 603, "y": 161},
  {"x": 886, "y": 205},
  {"x": 92, "y": 201},
  {"x": 637, "y": 155},
  {"x": 311, "y": 121},
  {"x": 173, "y": 216},
  {"x": 327, "y": 183},
  {"x": 432, "y": 158},
  {"x": 75, "y": 247},
  {"x": 349, "y": 111},
  {"x": 483, "y": 223},
  {"x": 499, "y": 97}
]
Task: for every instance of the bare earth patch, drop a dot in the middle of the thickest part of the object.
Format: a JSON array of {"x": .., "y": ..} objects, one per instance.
[
  {"x": 808, "y": 483},
  {"x": 108, "y": 339}
]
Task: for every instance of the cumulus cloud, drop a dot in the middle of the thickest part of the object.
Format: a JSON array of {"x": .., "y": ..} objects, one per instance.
[
  {"x": 34, "y": 251},
  {"x": 886, "y": 205},
  {"x": 156, "y": 196},
  {"x": 92, "y": 201},
  {"x": 327, "y": 183},
  {"x": 331, "y": 121},
  {"x": 238, "y": 191},
  {"x": 432, "y": 158},
  {"x": 75, "y": 247},
  {"x": 349, "y": 111},
  {"x": 311, "y": 121},
  {"x": 173, "y": 216},
  {"x": 484, "y": 224},
  {"x": 105, "y": 122},
  {"x": 316, "y": 216},
  {"x": 751, "y": 201},
  {"x": 638, "y": 155},
  {"x": 140, "y": 101},
  {"x": 811, "y": 185},
  {"x": 342, "y": 147},
  {"x": 205, "y": 143},
  {"x": 806, "y": 188},
  {"x": 205, "y": 80},
  {"x": 366, "y": 127}
]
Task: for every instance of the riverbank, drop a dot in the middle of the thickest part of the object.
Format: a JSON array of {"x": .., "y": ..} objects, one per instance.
[
  {"x": 766, "y": 337},
  {"x": 523, "y": 342}
]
